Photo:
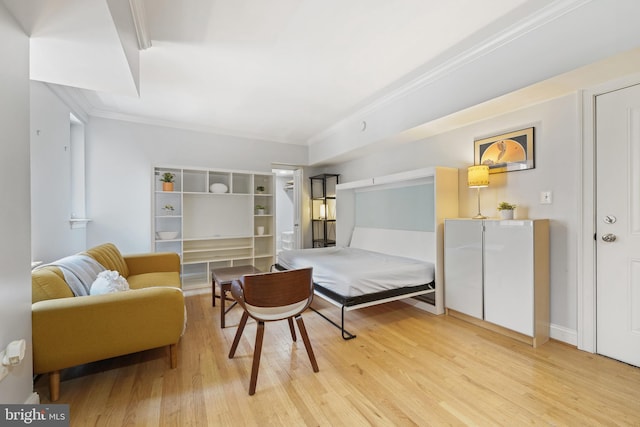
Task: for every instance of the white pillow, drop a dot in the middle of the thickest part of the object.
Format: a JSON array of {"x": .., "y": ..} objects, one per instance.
[{"x": 108, "y": 281}]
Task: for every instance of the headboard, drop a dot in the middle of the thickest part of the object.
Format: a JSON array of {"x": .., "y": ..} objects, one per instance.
[{"x": 410, "y": 244}]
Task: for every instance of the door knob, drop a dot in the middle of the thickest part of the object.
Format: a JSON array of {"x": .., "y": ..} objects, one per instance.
[{"x": 609, "y": 238}]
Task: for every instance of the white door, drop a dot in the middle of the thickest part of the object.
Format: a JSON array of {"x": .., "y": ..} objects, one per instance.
[{"x": 618, "y": 224}]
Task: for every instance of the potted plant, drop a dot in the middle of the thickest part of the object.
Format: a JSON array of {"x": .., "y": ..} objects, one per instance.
[
  {"x": 169, "y": 209},
  {"x": 167, "y": 181},
  {"x": 506, "y": 210},
  {"x": 260, "y": 210},
  {"x": 260, "y": 189}
]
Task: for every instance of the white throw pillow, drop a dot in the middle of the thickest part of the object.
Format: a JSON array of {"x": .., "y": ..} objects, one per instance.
[{"x": 109, "y": 281}]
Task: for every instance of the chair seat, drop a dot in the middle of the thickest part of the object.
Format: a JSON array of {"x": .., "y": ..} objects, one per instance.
[{"x": 276, "y": 313}]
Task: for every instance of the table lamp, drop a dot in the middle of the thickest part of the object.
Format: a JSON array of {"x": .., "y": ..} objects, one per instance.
[{"x": 478, "y": 177}]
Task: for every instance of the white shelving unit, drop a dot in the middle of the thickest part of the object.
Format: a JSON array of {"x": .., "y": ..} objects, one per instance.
[{"x": 214, "y": 229}]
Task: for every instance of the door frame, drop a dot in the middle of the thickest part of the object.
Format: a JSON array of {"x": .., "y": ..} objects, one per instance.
[{"x": 586, "y": 287}]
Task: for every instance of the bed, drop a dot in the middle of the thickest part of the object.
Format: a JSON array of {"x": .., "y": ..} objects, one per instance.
[{"x": 379, "y": 266}]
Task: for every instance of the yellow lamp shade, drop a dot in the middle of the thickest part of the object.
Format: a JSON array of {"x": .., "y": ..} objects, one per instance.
[{"x": 478, "y": 176}]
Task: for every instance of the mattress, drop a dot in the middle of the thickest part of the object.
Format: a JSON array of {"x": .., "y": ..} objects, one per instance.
[{"x": 353, "y": 272}]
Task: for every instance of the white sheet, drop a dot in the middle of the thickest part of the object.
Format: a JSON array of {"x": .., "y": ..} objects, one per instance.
[{"x": 352, "y": 272}]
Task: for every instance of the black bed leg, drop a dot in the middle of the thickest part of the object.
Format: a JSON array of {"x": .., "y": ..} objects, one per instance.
[{"x": 346, "y": 335}]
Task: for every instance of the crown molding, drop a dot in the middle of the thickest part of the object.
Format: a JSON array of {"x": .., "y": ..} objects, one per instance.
[
  {"x": 111, "y": 115},
  {"x": 139, "y": 15},
  {"x": 532, "y": 22},
  {"x": 74, "y": 99}
]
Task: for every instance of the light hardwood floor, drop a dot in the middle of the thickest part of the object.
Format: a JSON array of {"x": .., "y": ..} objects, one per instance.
[{"x": 406, "y": 367}]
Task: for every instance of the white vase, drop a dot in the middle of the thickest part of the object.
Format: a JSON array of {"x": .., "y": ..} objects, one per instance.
[{"x": 506, "y": 214}]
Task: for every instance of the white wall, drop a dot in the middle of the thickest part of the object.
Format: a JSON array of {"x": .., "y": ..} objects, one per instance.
[
  {"x": 15, "y": 256},
  {"x": 51, "y": 200},
  {"x": 556, "y": 154},
  {"x": 120, "y": 157}
]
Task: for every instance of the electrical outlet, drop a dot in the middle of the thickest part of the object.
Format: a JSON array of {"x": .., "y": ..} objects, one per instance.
[{"x": 546, "y": 197}]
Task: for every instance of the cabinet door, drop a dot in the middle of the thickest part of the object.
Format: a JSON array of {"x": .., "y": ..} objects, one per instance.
[
  {"x": 463, "y": 266},
  {"x": 508, "y": 275}
]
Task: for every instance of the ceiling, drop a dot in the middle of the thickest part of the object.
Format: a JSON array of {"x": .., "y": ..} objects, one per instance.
[{"x": 278, "y": 70}]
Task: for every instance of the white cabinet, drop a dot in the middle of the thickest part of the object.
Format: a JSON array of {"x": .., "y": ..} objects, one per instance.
[
  {"x": 497, "y": 275},
  {"x": 211, "y": 219}
]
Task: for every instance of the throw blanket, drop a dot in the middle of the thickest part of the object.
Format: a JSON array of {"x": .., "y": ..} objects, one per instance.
[{"x": 80, "y": 271}]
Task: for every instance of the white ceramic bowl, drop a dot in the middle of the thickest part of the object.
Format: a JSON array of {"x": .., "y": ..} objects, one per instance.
[
  {"x": 167, "y": 235},
  {"x": 218, "y": 188}
]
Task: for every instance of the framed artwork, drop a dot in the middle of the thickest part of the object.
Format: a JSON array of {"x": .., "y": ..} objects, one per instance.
[{"x": 511, "y": 151}]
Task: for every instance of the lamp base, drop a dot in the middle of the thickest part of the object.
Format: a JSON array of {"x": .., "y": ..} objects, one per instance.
[{"x": 479, "y": 216}]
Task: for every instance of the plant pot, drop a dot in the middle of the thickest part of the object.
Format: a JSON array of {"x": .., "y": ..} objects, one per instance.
[
  {"x": 259, "y": 211},
  {"x": 506, "y": 214},
  {"x": 167, "y": 186}
]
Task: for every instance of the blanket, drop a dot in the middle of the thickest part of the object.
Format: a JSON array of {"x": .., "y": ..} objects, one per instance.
[{"x": 79, "y": 271}]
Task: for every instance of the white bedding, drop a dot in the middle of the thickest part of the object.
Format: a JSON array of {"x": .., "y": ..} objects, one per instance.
[{"x": 353, "y": 272}]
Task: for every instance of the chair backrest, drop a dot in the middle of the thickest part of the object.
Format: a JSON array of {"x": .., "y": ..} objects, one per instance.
[{"x": 280, "y": 294}]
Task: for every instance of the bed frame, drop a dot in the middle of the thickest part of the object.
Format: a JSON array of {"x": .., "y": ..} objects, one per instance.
[{"x": 367, "y": 300}]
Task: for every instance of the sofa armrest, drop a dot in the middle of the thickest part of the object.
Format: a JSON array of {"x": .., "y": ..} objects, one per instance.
[
  {"x": 73, "y": 331},
  {"x": 155, "y": 262}
]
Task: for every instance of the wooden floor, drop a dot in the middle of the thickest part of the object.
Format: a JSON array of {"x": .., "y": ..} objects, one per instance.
[{"x": 406, "y": 367}]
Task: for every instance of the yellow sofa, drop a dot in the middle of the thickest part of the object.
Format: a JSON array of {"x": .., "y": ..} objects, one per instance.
[{"x": 70, "y": 330}]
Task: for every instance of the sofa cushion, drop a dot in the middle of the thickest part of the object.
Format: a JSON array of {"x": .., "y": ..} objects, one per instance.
[
  {"x": 146, "y": 280},
  {"x": 110, "y": 257},
  {"x": 47, "y": 282}
]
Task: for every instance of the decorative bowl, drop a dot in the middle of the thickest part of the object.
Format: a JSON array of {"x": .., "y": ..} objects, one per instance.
[
  {"x": 166, "y": 235},
  {"x": 218, "y": 187}
]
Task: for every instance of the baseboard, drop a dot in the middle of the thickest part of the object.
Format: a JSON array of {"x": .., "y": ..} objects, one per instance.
[
  {"x": 566, "y": 335},
  {"x": 197, "y": 291},
  {"x": 33, "y": 399}
]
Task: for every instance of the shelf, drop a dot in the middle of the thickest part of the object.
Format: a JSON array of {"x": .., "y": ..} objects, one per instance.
[{"x": 195, "y": 251}]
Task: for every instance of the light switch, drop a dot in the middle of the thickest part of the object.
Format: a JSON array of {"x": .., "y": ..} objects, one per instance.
[{"x": 546, "y": 197}]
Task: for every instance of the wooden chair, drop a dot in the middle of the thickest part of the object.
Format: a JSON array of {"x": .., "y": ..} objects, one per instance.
[{"x": 269, "y": 297}]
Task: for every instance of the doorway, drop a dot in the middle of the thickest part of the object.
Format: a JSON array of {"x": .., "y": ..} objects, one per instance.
[
  {"x": 618, "y": 224},
  {"x": 592, "y": 225},
  {"x": 288, "y": 182}
]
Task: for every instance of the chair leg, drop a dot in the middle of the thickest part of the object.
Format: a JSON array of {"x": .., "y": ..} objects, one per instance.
[
  {"x": 236, "y": 340},
  {"x": 256, "y": 358},
  {"x": 54, "y": 385},
  {"x": 292, "y": 329},
  {"x": 307, "y": 343}
]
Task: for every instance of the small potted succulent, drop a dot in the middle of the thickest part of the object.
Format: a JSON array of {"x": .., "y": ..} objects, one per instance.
[
  {"x": 167, "y": 181},
  {"x": 260, "y": 189},
  {"x": 260, "y": 210},
  {"x": 506, "y": 210},
  {"x": 169, "y": 209}
]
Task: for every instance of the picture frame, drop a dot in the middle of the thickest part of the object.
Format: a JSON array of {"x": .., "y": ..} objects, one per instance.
[{"x": 512, "y": 151}]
